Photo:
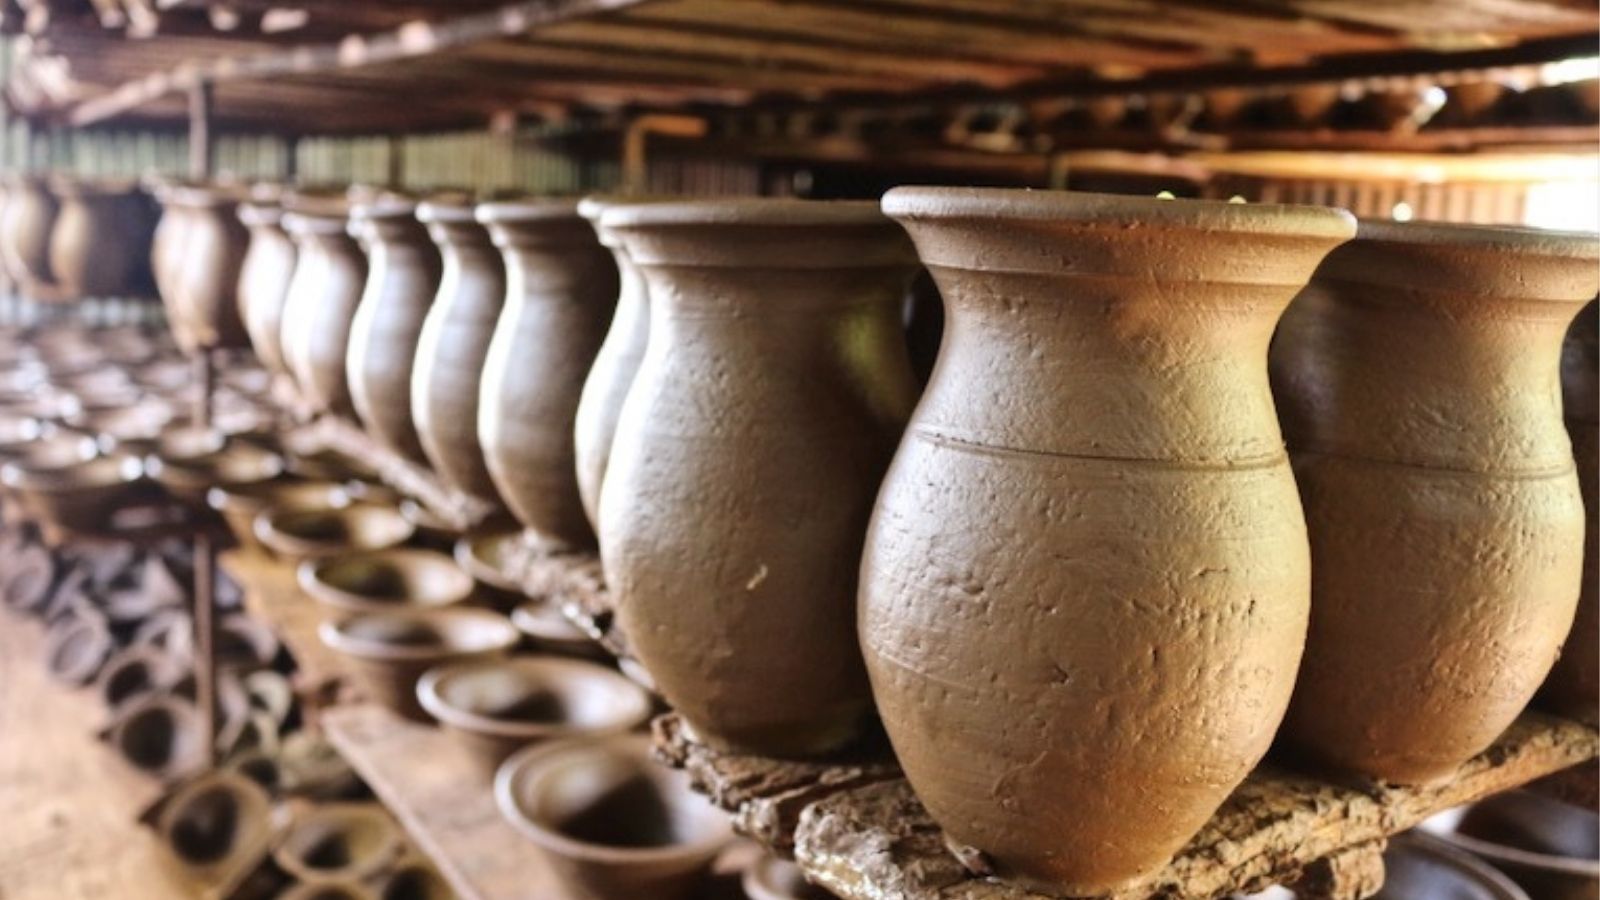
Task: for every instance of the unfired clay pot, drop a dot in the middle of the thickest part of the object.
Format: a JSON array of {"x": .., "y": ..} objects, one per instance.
[
  {"x": 25, "y": 227},
  {"x": 1573, "y": 687},
  {"x": 776, "y": 355},
  {"x": 402, "y": 278},
  {"x": 389, "y": 651},
  {"x": 339, "y": 842},
  {"x": 560, "y": 289},
  {"x": 612, "y": 823},
  {"x": 314, "y": 533},
  {"x": 329, "y": 274},
  {"x": 377, "y": 580},
  {"x": 1417, "y": 379},
  {"x": 454, "y": 343},
  {"x": 100, "y": 243},
  {"x": 491, "y": 556},
  {"x": 1086, "y": 581},
  {"x": 269, "y": 265},
  {"x": 200, "y": 260},
  {"x": 240, "y": 504},
  {"x": 218, "y": 826},
  {"x": 614, "y": 365},
  {"x": 160, "y": 735}
]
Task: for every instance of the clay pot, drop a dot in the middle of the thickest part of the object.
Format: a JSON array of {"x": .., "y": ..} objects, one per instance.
[
  {"x": 771, "y": 877},
  {"x": 241, "y": 504},
  {"x": 264, "y": 276},
  {"x": 415, "y": 879},
  {"x": 1417, "y": 383},
  {"x": 385, "y": 580},
  {"x": 200, "y": 260},
  {"x": 1546, "y": 846},
  {"x": 614, "y": 366},
  {"x": 454, "y": 344},
  {"x": 492, "y": 557},
  {"x": 218, "y": 827},
  {"x": 402, "y": 278},
  {"x": 100, "y": 242},
  {"x": 344, "y": 842},
  {"x": 237, "y": 463},
  {"x": 160, "y": 735},
  {"x": 78, "y": 648},
  {"x": 329, "y": 274},
  {"x": 25, "y": 227},
  {"x": 389, "y": 651},
  {"x": 561, "y": 288},
  {"x": 1573, "y": 687},
  {"x": 135, "y": 672},
  {"x": 548, "y": 630},
  {"x": 328, "y": 891},
  {"x": 84, "y": 497},
  {"x": 775, "y": 351},
  {"x": 496, "y": 707},
  {"x": 129, "y": 428},
  {"x": 318, "y": 533},
  {"x": 1098, "y": 431},
  {"x": 612, "y": 823}
]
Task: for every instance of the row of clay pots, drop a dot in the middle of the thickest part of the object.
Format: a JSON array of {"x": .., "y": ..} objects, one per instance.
[{"x": 68, "y": 239}]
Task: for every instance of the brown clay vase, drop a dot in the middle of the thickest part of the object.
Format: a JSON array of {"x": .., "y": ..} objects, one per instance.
[
  {"x": 614, "y": 365},
  {"x": 329, "y": 274},
  {"x": 29, "y": 218},
  {"x": 1086, "y": 581},
  {"x": 776, "y": 355},
  {"x": 402, "y": 278},
  {"x": 1417, "y": 378},
  {"x": 100, "y": 243},
  {"x": 448, "y": 372},
  {"x": 264, "y": 276},
  {"x": 200, "y": 272},
  {"x": 561, "y": 286},
  {"x": 1573, "y": 687}
]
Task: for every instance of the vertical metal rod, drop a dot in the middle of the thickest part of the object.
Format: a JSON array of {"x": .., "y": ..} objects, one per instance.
[
  {"x": 200, "y": 130},
  {"x": 205, "y": 624}
]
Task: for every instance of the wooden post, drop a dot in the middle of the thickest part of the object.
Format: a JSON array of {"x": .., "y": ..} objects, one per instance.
[
  {"x": 205, "y": 625},
  {"x": 634, "y": 171}
]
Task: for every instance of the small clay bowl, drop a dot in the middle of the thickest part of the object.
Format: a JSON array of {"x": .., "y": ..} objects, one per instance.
[
  {"x": 389, "y": 651},
  {"x": 240, "y": 504},
  {"x": 612, "y": 823},
  {"x": 55, "y": 449},
  {"x": 414, "y": 879},
  {"x": 433, "y": 531},
  {"x": 548, "y": 630},
  {"x": 496, "y": 707},
  {"x": 329, "y": 891},
  {"x": 237, "y": 463},
  {"x": 160, "y": 735},
  {"x": 137, "y": 426},
  {"x": 81, "y": 497},
  {"x": 490, "y": 557},
  {"x": 135, "y": 672},
  {"x": 338, "y": 842},
  {"x": 379, "y": 580},
  {"x": 1550, "y": 848},
  {"x": 317, "y": 533},
  {"x": 78, "y": 647},
  {"x": 771, "y": 877},
  {"x": 218, "y": 827},
  {"x": 17, "y": 433}
]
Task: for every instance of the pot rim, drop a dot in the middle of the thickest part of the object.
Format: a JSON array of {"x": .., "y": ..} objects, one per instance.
[
  {"x": 778, "y": 212},
  {"x": 1522, "y": 239},
  {"x": 529, "y": 209},
  {"x": 527, "y": 620},
  {"x": 318, "y": 223},
  {"x": 337, "y": 815},
  {"x": 334, "y": 635},
  {"x": 267, "y": 530},
  {"x": 312, "y": 573},
  {"x": 447, "y": 212},
  {"x": 914, "y": 203},
  {"x": 479, "y": 567},
  {"x": 626, "y": 716}
]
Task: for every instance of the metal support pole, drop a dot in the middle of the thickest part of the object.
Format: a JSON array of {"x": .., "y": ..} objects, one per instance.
[
  {"x": 205, "y": 613},
  {"x": 200, "y": 130}
]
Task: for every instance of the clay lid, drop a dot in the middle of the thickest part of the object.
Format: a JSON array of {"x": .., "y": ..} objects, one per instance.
[
  {"x": 533, "y": 698},
  {"x": 760, "y": 232},
  {"x": 396, "y": 578},
  {"x": 1471, "y": 260},
  {"x": 420, "y": 635}
]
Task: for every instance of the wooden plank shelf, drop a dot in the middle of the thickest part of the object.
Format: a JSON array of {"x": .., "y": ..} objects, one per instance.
[{"x": 857, "y": 829}]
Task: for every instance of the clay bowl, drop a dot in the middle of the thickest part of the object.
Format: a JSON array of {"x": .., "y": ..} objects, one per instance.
[
  {"x": 160, "y": 735},
  {"x": 379, "y": 580},
  {"x": 548, "y": 630},
  {"x": 218, "y": 826},
  {"x": 771, "y": 877},
  {"x": 338, "y": 842},
  {"x": 613, "y": 824},
  {"x": 389, "y": 651},
  {"x": 245, "y": 643},
  {"x": 51, "y": 449},
  {"x": 317, "y": 533},
  {"x": 133, "y": 428},
  {"x": 241, "y": 504},
  {"x": 1550, "y": 848},
  {"x": 236, "y": 463},
  {"x": 77, "y": 648},
  {"x": 81, "y": 497},
  {"x": 134, "y": 672},
  {"x": 414, "y": 879},
  {"x": 496, "y": 707},
  {"x": 17, "y": 433},
  {"x": 490, "y": 558},
  {"x": 335, "y": 891}
]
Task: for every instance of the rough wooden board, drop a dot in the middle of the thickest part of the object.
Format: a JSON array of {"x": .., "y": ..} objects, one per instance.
[
  {"x": 69, "y": 805},
  {"x": 272, "y": 595},
  {"x": 432, "y": 786},
  {"x": 878, "y": 842}
]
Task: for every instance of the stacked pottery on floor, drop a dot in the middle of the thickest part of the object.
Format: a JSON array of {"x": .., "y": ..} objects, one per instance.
[
  {"x": 775, "y": 357},
  {"x": 1418, "y": 382},
  {"x": 329, "y": 274},
  {"x": 1086, "y": 583}
]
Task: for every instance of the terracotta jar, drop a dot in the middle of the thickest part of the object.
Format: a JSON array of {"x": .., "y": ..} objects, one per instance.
[
  {"x": 1417, "y": 380},
  {"x": 166, "y": 250},
  {"x": 402, "y": 278},
  {"x": 1573, "y": 687},
  {"x": 329, "y": 274},
  {"x": 100, "y": 243},
  {"x": 200, "y": 266},
  {"x": 454, "y": 344},
  {"x": 1086, "y": 581},
  {"x": 269, "y": 264},
  {"x": 561, "y": 286},
  {"x": 614, "y": 365},
  {"x": 776, "y": 358},
  {"x": 29, "y": 218}
]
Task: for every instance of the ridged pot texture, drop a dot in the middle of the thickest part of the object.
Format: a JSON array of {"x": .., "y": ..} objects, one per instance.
[
  {"x": 1085, "y": 588},
  {"x": 29, "y": 216},
  {"x": 201, "y": 267},
  {"x": 329, "y": 274},
  {"x": 403, "y": 270},
  {"x": 269, "y": 264},
  {"x": 750, "y": 446},
  {"x": 1418, "y": 382},
  {"x": 561, "y": 286},
  {"x": 448, "y": 372}
]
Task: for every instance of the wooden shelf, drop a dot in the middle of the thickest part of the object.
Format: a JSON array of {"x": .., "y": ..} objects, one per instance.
[{"x": 857, "y": 829}]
